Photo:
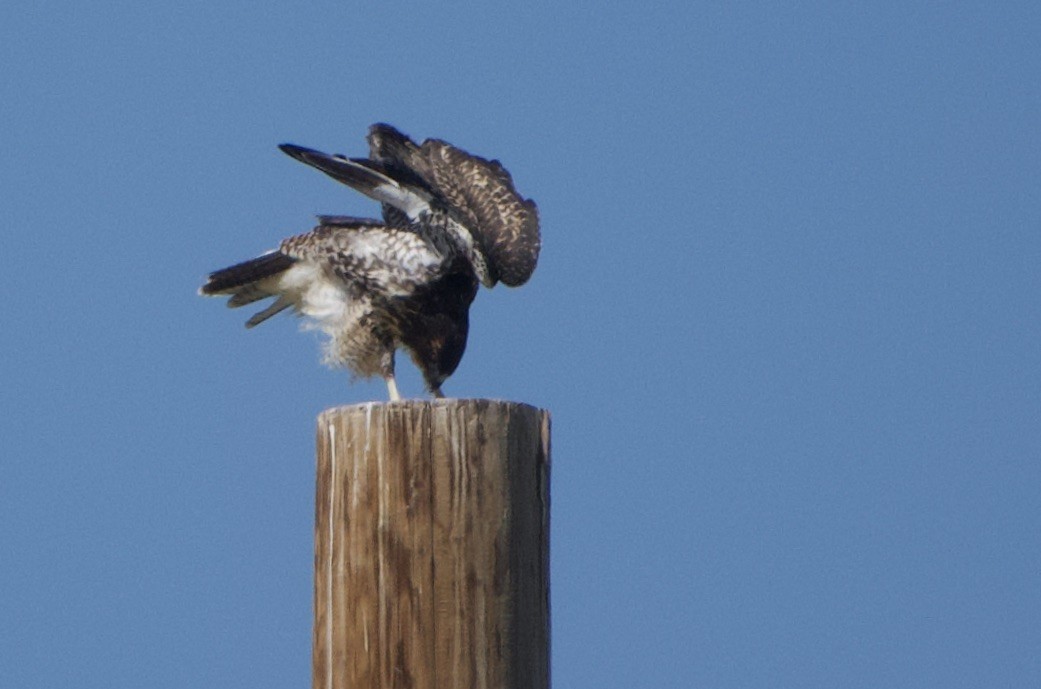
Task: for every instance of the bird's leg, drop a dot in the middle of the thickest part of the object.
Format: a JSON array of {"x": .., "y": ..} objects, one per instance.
[
  {"x": 392, "y": 388},
  {"x": 387, "y": 369},
  {"x": 436, "y": 392}
]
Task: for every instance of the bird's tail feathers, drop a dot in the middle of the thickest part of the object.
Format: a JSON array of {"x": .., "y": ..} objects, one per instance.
[
  {"x": 232, "y": 279},
  {"x": 250, "y": 281},
  {"x": 281, "y": 304}
]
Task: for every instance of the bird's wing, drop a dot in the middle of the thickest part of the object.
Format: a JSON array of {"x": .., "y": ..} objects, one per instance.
[
  {"x": 479, "y": 193},
  {"x": 401, "y": 158},
  {"x": 383, "y": 260},
  {"x": 504, "y": 223},
  {"x": 366, "y": 177}
]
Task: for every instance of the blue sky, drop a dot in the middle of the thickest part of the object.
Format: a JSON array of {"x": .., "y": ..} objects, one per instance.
[{"x": 786, "y": 320}]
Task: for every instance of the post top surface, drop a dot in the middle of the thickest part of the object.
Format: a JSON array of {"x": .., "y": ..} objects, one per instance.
[{"x": 417, "y": 404}]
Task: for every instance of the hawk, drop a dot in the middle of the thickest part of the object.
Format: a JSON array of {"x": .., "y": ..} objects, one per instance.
[{"x": 451, "y": 220}]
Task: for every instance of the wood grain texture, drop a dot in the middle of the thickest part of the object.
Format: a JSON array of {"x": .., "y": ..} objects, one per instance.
[{"x": 432, "y": 546}]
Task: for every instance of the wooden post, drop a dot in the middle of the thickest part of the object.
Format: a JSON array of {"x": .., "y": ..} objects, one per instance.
[{"x": 432, "y": 546}]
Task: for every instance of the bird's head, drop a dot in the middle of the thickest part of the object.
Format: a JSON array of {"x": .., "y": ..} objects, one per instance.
[{"x": 439, "y": 355}]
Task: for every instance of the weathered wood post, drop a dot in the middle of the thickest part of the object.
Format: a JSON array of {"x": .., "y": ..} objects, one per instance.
[{"x": 432, "y": 546}]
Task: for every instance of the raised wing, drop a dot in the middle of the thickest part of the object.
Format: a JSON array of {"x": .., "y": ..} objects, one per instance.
[
  {"x": 478, "y": 192},
  {"x": 367, "y": 177}
]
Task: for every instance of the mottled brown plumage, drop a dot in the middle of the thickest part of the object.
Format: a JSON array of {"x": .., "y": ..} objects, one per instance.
[
  {"x": 479, "y": 193},
  {"x": 450, "y": 219}
]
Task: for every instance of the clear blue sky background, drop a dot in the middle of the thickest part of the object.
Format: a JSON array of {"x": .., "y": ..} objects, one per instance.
[{"x": 786, "y": 319}]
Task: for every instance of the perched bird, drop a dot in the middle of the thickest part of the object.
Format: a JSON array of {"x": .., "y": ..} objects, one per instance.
[{"x": 450, "y": 220}]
